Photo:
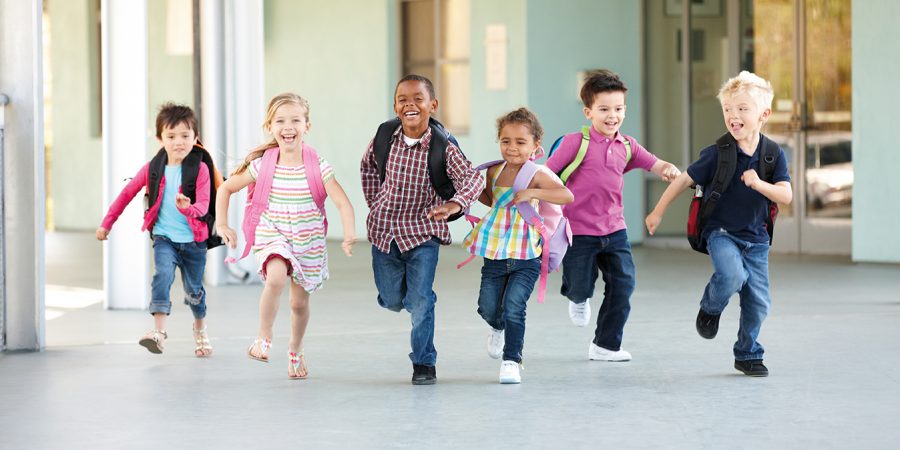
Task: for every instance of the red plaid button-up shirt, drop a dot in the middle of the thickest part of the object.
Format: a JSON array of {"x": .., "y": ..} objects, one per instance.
[{"x": 398, "y": 207}]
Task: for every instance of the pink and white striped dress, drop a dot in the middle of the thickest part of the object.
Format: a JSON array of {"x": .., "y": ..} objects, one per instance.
[{"x": 292, "y": 226}]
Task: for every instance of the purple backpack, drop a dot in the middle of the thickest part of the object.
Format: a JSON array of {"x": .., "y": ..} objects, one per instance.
[{"x": 548, "y": 220}]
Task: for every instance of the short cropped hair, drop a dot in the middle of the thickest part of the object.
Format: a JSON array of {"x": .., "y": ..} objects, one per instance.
[
  {"x": 171, "y": 114},
  {"x": 600, "y": 81},
  {"x": 429, "y": 86},
  {"x": 754, "y": 85},
  {"x": 525, "y": 117}
]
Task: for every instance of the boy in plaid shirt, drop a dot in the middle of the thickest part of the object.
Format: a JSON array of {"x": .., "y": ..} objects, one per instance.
[{"x": 407, "y": 220}]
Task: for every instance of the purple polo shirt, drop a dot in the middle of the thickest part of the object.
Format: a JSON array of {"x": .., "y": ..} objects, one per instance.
[{"x": 597, "y": 184}]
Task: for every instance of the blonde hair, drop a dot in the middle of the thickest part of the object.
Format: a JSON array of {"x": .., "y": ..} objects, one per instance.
[
  {"x": 754, "y": 85},
  {"x": 277, "y": 102}
]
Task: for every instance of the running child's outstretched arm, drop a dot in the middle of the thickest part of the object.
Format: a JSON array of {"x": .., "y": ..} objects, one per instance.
[
  {"x": 223, "y": 195},
  {"x": 678, "y": 186},
  {"x": 348, "y": 221},
  {"x": 122, "y": 200}
]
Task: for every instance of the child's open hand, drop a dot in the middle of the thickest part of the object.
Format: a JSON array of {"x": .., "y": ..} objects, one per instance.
[
  {"x": 102, "y": 234},
  {"x": 182, "y": 201},
  {"x": 444, "y": 211},
  {"x": 750, "y": 178},
  {"x": 229, "y": 237},
  {"x": 347, "y": 245},
  {"x": 670, "y": 173}
]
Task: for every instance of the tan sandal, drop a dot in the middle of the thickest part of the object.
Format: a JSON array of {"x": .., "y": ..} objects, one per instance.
[
  {"x": 154, "y": 341},
  {"x": 262, "y": 345},
  {"x": 203, "y": 348},
  {"x": 297, "y": 365}
]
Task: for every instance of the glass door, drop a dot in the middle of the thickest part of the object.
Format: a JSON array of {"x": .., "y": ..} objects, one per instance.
[{"x": 803, "y": 48}]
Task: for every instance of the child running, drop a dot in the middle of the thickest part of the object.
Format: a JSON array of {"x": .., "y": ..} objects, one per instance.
[
  {"x": 510, "y": 246},
  {"x": 284, "y": 224},
  {"x": 175, "y": 220}
]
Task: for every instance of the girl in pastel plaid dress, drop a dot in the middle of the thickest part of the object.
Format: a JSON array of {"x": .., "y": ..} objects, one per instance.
[
  {"x": 285, "y": 223},
  {"x": 511, "y": 248}
]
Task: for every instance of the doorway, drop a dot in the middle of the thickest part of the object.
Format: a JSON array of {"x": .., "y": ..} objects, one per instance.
[{"x": 803, "y": 48}]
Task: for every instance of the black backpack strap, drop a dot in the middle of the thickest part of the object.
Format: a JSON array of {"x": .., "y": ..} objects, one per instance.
[
  {"x": 155, "y": 172},
  {"x": 726, "y": 163},
  {"x": 767, "y": 159},
  {"x": 381, "y": 146},
  {"x": 190, "y": 169},
  {"x": 437, "y": 163}
]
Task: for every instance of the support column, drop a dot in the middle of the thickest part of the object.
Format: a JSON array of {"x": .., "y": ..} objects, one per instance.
[
  {"x": 234, "y": 104},
  {"x": 22, "y": 240},
  {"x": 126, "y": 255}
]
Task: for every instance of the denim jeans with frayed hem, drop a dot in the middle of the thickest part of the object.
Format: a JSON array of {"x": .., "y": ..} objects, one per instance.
[
  {"x": 741, "y": 267},
  {"x": 610, "y": 255},
  {"x": 190, "y": 257},
  {"x": 506, "y": 285},
  {"x": 405, "y": 281}
]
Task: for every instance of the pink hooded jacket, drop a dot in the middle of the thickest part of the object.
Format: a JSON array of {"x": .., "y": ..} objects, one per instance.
[{"x": 192, "y": 212}]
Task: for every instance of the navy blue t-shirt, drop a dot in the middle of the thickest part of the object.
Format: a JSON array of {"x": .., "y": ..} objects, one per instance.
[{"x": 741, "y": 211}]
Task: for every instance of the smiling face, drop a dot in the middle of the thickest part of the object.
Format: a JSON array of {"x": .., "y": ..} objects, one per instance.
[
  {"x": 607, "y": 112},
  {"x": 743, "y": 116},
  {"x": 517, "y": 143},
  {"x": 288, "y": 126},
  {"x": 178, "y": 142},
  {"x": 414, "y": 106}
]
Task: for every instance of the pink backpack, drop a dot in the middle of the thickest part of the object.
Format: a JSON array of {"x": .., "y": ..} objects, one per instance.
[
  {"x": 548, "y": 220},
  {"x": 258, "y": 192}
]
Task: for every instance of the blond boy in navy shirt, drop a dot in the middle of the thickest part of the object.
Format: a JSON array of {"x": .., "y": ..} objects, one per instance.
[{"x": 735, "y": 234}]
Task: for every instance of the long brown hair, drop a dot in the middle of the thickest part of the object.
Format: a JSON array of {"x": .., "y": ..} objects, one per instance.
[{"x": 274, "y": 104}]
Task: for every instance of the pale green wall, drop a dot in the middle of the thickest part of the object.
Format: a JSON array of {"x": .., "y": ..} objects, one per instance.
[
  {"x": 335, "y": 56},
  {"x": 75, "y": 147},
  {"x": 565, "y": 37},
  {"x": 875, "y": 152}
]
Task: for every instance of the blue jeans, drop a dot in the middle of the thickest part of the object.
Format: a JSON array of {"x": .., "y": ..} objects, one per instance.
[
  {"x": 610, "y": 255},
  {"x": 404, "y": 281},
  {"x": 740, "y": 267},
  {"x": 506, "y": 285},
  {"x": 191, "y": 258}
]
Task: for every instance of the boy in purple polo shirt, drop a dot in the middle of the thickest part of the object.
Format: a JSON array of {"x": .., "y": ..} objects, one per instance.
[
  {"x": 600, "y": 242},
  {"x": 735, "y": 232}
]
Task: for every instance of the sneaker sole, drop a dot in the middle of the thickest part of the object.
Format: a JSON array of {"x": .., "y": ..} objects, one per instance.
[
  {"x": 752, "y": 374},
  {"x": 609, "y": 360},
  {"x": 423, "y": 382},
  {"x": 510, "y": 380},
  {"x": 150, "y": 345}
]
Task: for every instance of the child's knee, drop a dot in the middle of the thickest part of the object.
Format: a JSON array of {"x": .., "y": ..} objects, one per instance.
[{"x": 194, "y": 298}]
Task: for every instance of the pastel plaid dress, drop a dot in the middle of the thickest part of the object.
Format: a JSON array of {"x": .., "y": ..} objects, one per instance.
[
  {"x": 292, "y": 227},
  {"x": 502, "y": 233}
]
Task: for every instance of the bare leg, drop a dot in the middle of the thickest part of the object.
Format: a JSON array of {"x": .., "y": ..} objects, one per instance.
[
  {"x": 299, "y": 321},
  {"x": 276, "y": 279},
  {"x": 159, "y": 321}
]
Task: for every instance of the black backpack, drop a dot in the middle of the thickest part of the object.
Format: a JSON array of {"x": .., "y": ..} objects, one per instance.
[
  {"x": 437, "y": 156},
  {"x": 706, "y": 198},
  {"x": 190, "y": 167}
]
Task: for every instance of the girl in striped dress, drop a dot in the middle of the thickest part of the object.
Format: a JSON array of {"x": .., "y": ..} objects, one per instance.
[
  {"x": 510, "y": 246},
  {"x": 288, "y": 238}
]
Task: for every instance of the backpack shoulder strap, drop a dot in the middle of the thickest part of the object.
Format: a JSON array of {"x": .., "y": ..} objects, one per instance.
[
  {"x": 314, "y": 176},
  {"x": 726, "y": 163},
  {"x": 627, "y": 149},
  {"x": 190, "y": 170},
  {"x": 579, "y": 157},
  {"x": 523, "y": 179},
  {"x": 767, "y": 159},
  {"x": 155, "y": 170},
  {"x": 437, "y": 163},
  {"x": 258, "y": 197},
  {"x": 381, "y": 145}
]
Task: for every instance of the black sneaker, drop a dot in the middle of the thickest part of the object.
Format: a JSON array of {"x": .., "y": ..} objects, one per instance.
[
  {"x": 707, "y": 324},
  {"x": 423, "y": 374},
  {"x": 752, "y": 367}
]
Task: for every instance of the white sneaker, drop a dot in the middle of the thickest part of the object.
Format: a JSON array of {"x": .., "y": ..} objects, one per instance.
[
  {"x": 495, "y": 344},
  {"x": 580, "y": 313},
  {"x": 509, "y": 373},
  {"x": 596, "y": 353}
]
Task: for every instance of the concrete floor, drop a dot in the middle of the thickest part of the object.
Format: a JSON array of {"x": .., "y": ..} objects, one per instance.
[{"x": 831, "y": 342}]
